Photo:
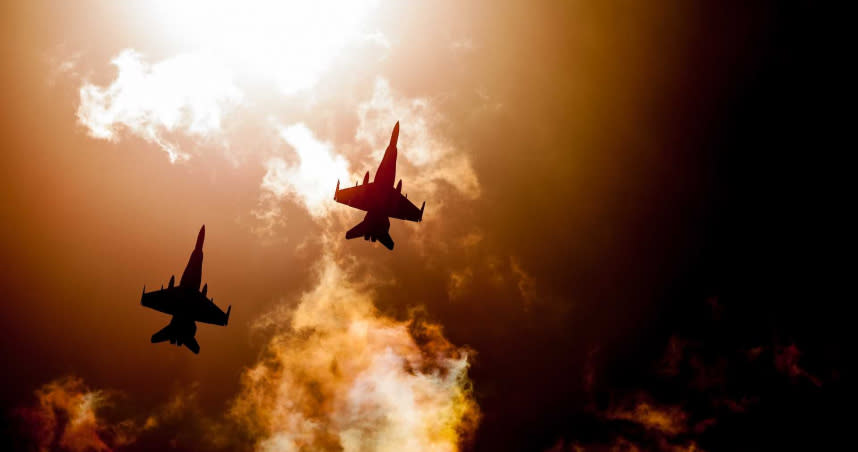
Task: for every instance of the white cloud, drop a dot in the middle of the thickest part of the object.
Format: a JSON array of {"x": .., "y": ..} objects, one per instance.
[
  {"x": 420, "y": 140},
  {"x": 311, "y": 178},
  {"x": 186, "y": 95}
]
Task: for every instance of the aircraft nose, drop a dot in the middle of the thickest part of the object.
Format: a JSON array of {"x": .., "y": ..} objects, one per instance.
[
  {"x": 201, "y": 237},
  {"x": 394, "y": 137}
]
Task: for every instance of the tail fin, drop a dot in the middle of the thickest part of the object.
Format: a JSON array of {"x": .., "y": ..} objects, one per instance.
[{"x": 192, "y": 275}]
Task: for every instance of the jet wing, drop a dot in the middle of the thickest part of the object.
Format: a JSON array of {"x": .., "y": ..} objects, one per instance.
[
  {"x": 357, "y": 196},
  {"x": 207, "y": 312},
  {"x": 163, "y": 300},
  {"x": 403, "y": 209}
]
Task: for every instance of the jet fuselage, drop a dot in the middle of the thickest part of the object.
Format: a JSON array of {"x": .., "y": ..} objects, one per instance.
[
  {"x": 379, "y": 199},
  {"x": 186, "y": 303}
]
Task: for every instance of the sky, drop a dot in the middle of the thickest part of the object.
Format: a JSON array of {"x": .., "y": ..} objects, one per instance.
[{"x": 627, "y": 205}]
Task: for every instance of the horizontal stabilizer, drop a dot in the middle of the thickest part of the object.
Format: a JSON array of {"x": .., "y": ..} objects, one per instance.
[
  {"x": 162, "y": 335},
  {"x": 192, "y": 345},
  {"x": 386, "y": 240},
  {"x": 359, "y": 230}
]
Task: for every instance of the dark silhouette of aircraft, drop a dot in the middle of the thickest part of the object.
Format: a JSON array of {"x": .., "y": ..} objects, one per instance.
[
  {"x": 186, "y": 303},
  {"x": 379, "y": 199}
]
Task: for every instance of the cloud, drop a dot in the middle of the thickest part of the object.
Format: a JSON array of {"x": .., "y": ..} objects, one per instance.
[
  {"x": 291, "y": 44},
  {"x": 526, "y": 283},
  {"x": 421, "y": 141},
  {"x": 341, "y": 376},
  {"x": 183, "y": 96},
  {"x": 673, "y": 356},
  {"x": 786, "y": 362},
  {"x": 231, "y": 49},
  {"x": 424, "y": 151},
  {"x": 302, "y": 179},
  {"x": 67, "y": 415},
  {"x": 668, "y": 420},
  {"x": 458, "y": 281}
]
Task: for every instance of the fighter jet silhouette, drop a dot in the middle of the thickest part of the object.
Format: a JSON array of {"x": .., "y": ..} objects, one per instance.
[
  {"x": 379, "y": 199},
  {"x": 186, "y": 303}
]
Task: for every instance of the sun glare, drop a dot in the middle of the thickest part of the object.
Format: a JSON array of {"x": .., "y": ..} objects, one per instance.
[{"x": 288, "y": 42}]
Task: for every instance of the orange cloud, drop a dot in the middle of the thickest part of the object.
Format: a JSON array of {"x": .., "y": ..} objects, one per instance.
[
  {"x": 786, "y": 361},
  {"x": 668, "y": 420},
  {"x": 66, "y": 415},
  {"x": 341, "y": 376}
]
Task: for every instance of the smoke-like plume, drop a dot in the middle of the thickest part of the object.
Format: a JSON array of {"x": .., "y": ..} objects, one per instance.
[
  {"x": 669, "y": 420},
  {"x": 341, "y": 376},
  {"x": 67, "y": 415}
]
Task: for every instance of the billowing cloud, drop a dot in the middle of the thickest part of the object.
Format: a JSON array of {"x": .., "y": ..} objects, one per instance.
[
  {"x": 341, "y": 376},
  {"x": 302, "y": 179},
  {"x": 668, "y": 420},
  {"x": 288, "y": 43},
  {"x": 231, "y": 49},
  {"x": 421, "y": 142},
  {"x": 186, "y": 95},
  {"x": 67, "y": 415}
]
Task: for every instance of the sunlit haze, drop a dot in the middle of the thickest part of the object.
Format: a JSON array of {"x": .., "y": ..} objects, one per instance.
[{"x": 596, "y": 245}]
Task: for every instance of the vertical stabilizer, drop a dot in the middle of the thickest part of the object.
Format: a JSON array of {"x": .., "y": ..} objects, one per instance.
[
  {"x": 192, "y": 276},
  {"x": 386, "y": 173}
]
